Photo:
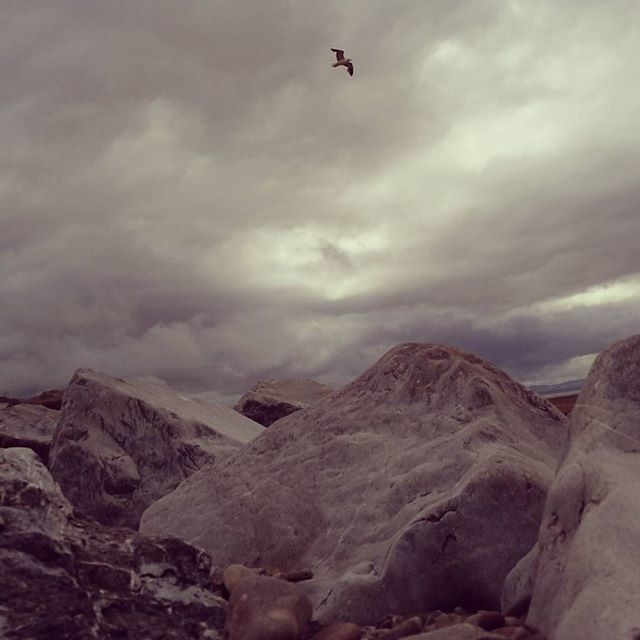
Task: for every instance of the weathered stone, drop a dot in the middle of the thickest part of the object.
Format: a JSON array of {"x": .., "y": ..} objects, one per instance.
[
  {"x": 51, "y": 398},
  {"x": 270, "y": 400},
  {"x": 407, "y": 627},
  {"x": 121, "y": 444},
  {"x": 340, "y": 631},
  {"x": 233, "y": 574},
  {"x": 588, "y": 570},
  {"x": 26, "y": 425},
  {"x": 264, "y": 608},
  {"x": 63, "y": 575},
  {"x": 417, "y": 486},
  {"x": 487, "y": 620}
]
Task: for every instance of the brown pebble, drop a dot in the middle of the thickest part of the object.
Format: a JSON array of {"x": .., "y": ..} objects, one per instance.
[
  {"x": 448, "y": 619},
  {"x": 233, "y": 574},
  {"x": 487, "y": 620},
  {"x": 340, "y": 631},
  {"x": 409, "y": 627},
  {"x": 298, "y": 575}
]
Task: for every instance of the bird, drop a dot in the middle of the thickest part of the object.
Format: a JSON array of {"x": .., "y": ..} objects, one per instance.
[{"x": 342, "y": 61}]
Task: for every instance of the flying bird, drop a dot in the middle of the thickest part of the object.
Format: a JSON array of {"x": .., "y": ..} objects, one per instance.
[{"x": 342, "y": 61}]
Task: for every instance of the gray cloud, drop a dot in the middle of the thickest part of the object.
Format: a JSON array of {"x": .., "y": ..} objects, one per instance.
[{"x": 189, "y": 191}]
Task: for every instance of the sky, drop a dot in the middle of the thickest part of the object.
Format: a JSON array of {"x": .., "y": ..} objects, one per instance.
[{"x": 190, "y": 192}]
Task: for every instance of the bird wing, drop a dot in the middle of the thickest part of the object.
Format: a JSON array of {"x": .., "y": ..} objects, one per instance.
[
  {"x": 350, "y": 68},
  {"x": 339, "y": 54}
]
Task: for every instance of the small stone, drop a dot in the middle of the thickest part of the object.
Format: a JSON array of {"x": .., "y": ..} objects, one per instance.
[
  {"x": 487, "y": 620},
  {"x": 265, "y": 608},
  {"x": 340, "y": 631},
  {"x": 448, "y": 619},
  {"x": 298, "y": 575},
  {"x": 408, "y": 627},
  {"x": 233, "y": 574}
]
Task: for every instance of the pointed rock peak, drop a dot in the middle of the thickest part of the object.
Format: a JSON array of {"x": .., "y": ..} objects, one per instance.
[{"x": 438, "y": 375}]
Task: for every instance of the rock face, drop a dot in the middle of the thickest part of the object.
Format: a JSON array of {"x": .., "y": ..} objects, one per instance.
[
  {"x": 588, "y": 567},
  {"x": 121, "y": 445},
  {"x": 418, "y": 486},
  {"x": 67, "y": 576},
  {"x": 27, "y": 425},
  {"x": 271, "y": 400},
  {"x": 51, "y": 398}
]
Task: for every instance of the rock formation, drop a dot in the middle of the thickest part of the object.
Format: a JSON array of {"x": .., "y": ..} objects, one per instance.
[
  {"x": 121, "y": 444},
  {"x": 587, "y": 576},
  {"x": 270, "y": 400},
  {"x": 66, "y": 576},
  {"x": 418, "y": 486},
  {"x": 28, "y": 425}
]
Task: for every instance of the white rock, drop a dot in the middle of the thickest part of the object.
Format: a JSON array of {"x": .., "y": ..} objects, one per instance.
[
  {"x": 121, "y": 444},
  {"x": 416, "y": 487},
  {"x": 588, "y": 570}
]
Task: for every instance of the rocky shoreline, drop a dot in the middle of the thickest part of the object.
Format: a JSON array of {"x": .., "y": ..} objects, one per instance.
[{"x": 433, "y": 497}]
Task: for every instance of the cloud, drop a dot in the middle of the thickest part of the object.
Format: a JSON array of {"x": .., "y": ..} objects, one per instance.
[{"x": 192, "y": 192}]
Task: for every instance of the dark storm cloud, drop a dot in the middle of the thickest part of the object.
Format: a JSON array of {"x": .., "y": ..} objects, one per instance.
[{"x": 189, "y": 191}]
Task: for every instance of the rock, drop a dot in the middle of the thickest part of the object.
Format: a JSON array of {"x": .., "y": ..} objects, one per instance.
[
  {"x": 265, "y": 608},
  {"x": 270, "y": 400},
  {"x": 121, "y": 444},
  {"x": 588, "y": 570},
  {"x": 417, "y": 486},
  {"x": 408, "y": 627},
  {"x": 31, "y": 426},
  {"x": 518, "y": 585},
  {"x": 487, "y": 620},
  {"x": 64, "y": 575},
  {"x": 51, "y": 398},
  {"x": 340, "y": 631},
  {"x": 233, "y": 574}
]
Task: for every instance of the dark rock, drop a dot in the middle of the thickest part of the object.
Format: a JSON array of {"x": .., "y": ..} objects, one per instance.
[
  {"x": 270, "y": 400},
  {"x": 65, "y": 576}
]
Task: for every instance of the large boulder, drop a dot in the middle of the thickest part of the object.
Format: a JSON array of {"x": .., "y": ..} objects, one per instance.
[
  {"x": 63, "y": 575},
  {"x": 270, "y": 400},
  {"x": 28, "y": 425},
  {"x": 122, "y": 444},
  {"x": 587, "y": 564},
  {"x": 416, "y": 487}
]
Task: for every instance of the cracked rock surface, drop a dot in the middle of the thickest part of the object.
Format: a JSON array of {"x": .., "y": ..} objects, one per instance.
[
  {"x": 121, "y": 444},
  {"x": 65, "y": 576},
  {"x": 586, "y": 581},
  {"x": 416, "y": 487}
]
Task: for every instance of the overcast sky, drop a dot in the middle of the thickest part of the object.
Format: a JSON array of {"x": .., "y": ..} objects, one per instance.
[{"x": 189, "y": 190}]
